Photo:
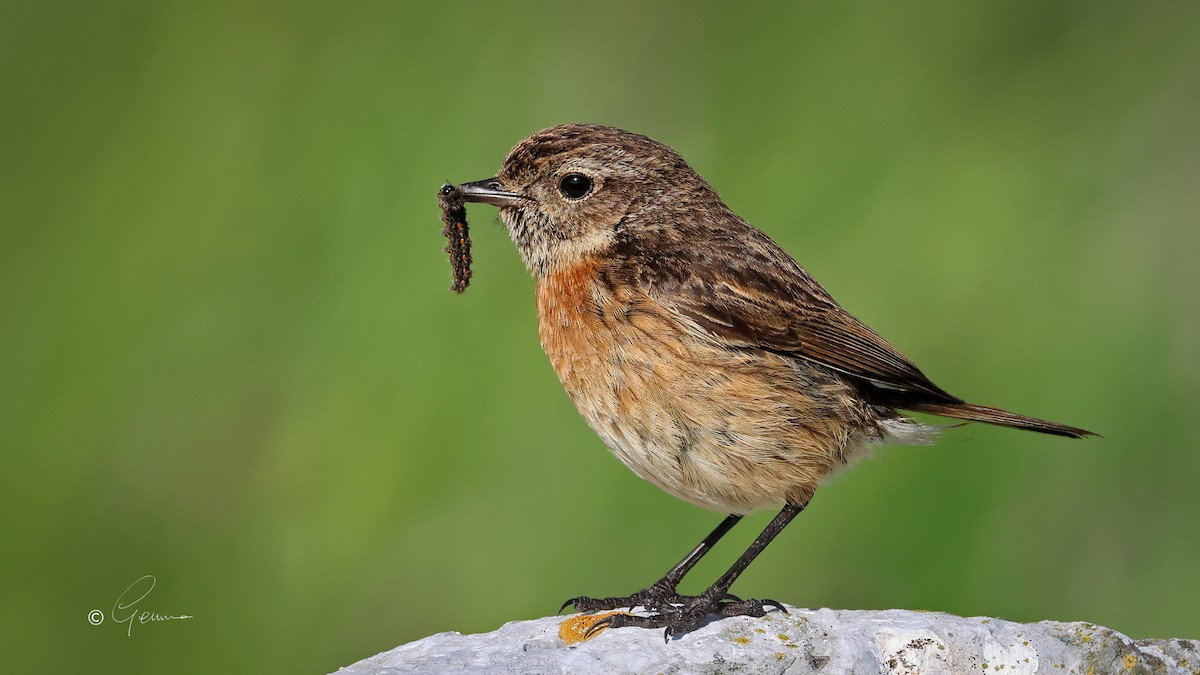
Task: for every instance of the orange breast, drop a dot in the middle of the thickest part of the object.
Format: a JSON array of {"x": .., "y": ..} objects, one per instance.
[
  {"x": 728, "y": 430},
  {"x": 570, "y": 304}
]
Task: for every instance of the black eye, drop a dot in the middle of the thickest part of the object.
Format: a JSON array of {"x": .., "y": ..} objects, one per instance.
[{"x": 575, "y": 186}]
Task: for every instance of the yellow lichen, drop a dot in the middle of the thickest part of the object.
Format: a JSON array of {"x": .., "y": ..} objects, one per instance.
[
  {"x": 575, "y": 628},
  {"x": 742, "y": 640},
  {"x": 1130, "y": 661}
]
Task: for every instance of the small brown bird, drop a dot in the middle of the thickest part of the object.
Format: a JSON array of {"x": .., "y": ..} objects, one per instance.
[{"x": 703, "y": 355}]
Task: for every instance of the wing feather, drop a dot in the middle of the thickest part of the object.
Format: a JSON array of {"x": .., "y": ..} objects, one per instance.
[{"x": 759, "y": 297}]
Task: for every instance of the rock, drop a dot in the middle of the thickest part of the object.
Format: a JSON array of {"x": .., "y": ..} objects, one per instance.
[{"x": 802, "y": 641}]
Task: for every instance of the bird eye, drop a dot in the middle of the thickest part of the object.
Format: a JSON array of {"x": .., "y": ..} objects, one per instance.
[{"x": 575, "y": 186}]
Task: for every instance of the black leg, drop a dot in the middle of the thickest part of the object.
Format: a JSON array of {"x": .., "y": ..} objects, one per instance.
[
  {"x": 663, "y": 592},
  {"x": 676, "y": 574},
  {"x": 716, "y": 599},
  {"x": 772, "y": 530}
]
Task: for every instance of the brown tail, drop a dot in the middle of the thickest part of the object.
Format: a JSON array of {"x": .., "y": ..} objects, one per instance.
[{"x": 982, "y": 413}]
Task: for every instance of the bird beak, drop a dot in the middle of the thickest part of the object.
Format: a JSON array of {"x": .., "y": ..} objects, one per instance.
[{"x": 490, "y": 191}]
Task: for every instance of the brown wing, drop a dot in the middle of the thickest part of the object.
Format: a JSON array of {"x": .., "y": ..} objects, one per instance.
[{"x": 755, "y": 295}]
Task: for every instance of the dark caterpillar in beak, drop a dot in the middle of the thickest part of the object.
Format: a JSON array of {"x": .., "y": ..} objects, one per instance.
[{"x": 454, "y": 215}]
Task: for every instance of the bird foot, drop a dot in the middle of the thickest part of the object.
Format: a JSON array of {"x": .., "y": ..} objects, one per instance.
[
  {"x": 676, "y": 614},
  {"x": 655, "y": 599}
]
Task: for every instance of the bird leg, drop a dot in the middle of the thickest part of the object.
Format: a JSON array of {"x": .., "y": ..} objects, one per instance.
[
  {"x": 688, "y": 612},
  {"x": 662, "y": 594}
]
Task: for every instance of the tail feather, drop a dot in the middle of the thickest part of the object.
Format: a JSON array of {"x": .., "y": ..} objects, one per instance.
[{"x": 983, "y": 413}]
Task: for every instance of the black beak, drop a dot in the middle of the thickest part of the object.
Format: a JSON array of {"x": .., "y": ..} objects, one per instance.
[{"x": 490, "y": 191}]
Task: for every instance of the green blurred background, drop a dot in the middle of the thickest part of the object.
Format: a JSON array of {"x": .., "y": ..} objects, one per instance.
[{"x": 229, "y": 359}]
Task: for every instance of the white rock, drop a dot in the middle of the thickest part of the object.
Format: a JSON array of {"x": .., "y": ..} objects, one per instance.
[{"x": 822, "y": 641}]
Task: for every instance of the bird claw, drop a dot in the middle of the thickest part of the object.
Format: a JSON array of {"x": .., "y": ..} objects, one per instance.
[
  {"x": 750, "y": 607},
  {"x": 654, "y": 599},
  {"x": 679, "y": 614},
  {"x": 583, "y": 603}
]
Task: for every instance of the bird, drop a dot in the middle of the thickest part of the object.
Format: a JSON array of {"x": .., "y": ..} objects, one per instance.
[{"x": 702, "y": 354}]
